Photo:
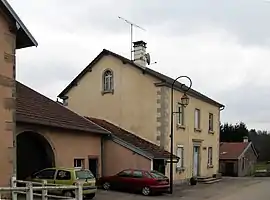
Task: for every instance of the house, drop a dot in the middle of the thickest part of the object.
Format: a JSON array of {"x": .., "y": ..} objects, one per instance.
[
  {"x": 48, "y": 135},
  {"x": 237, "y": 159},
  {"x": 13, "y": 35},
  {"x": 137, "y": 98},
  {"x": 123, "y": 150}
]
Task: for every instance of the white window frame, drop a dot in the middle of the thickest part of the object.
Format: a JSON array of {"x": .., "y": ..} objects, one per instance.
[
  {"x": 180, "y": 154},
  {"x": 211, "y": 122},
  {"x": 180, "y": 114},
  {"x": 107, "y": 80},
  {"x": 197, "y": 118},
  {"x": 210, "y": 156},
  {"x": 79, "y": 162}
]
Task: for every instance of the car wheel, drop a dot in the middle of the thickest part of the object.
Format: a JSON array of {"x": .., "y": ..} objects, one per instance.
[
  {"x": 106, "y": 186},
  {"x": 146, "y": 191},
  {"x": 68, "y": 194}
]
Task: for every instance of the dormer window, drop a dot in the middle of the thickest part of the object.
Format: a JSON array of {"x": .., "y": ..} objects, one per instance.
[{"x": 107, "y": 81}]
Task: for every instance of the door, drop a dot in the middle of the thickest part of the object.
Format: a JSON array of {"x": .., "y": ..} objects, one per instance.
[
  {"x": 93, "y": 166},
  {"x": 196, "y": 160},
  {"x": 122, "y": 180},
  {"x": 229, "y": 169}
]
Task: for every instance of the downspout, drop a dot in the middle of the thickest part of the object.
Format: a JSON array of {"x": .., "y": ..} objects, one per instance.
[{"x": 102, "y": 155}]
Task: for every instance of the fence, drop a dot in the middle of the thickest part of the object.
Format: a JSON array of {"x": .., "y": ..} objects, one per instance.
[{"x": 30, "y": 187}]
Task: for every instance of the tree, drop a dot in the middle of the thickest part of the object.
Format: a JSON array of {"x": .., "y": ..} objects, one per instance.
[{"x": 233, "y": 133}]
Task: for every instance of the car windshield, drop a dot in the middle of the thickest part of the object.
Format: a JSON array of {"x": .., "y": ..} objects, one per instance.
[
  {"x": 84, "y": 174},
  {"x": 157, "y": 174}
]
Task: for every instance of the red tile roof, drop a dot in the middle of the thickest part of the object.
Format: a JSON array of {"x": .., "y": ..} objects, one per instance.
[
  {"x": 132, "y": 139},
  {"x": 231, "y": 151},
  {"x": 33, "y": 107}
]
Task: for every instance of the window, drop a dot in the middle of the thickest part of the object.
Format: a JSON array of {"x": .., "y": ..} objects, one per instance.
[
  {"x": 180, "y": 110},
  {"x": 137, "y": 174},
  {"x": 63, "y": 175},
  {"x": 125, "y": 173},
  {"x": 108, "y": 81},
  {"x": 180, "y": 154},
  {"x": 211, "y": 122},
  {"x": 197, "y": 118},
  {"x": 210, "y": 156},
  {"x": 84, "y": 174},
  {"x": 45, "y": 174},
  {"x": 79, "y": 162}
]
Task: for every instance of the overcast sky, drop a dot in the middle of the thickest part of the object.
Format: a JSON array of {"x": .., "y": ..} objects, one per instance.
[{"x": 224, "y": 46}]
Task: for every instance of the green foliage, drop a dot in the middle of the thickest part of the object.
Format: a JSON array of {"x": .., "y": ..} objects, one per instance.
[{"x": 233, "y": 133}]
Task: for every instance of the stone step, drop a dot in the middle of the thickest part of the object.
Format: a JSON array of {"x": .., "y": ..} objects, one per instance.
[{"x": 212, "y": 181}]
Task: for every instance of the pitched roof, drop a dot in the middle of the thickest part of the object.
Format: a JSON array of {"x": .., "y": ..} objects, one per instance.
[
  {"x": 232, "y": 151},
  {"x": 165, "y": 80},
  {"x": 133, "y": 139},
  {"x": 32, "y": 107},
  {"x": 24, "y": 37}
]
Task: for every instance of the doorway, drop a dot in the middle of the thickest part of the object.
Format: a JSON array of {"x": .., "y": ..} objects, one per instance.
[
  {"x": 93, "y": 165},
  {"x": 229, "y": 169},
  {"x": 159, "y": 165},
  {"x": 196, "y": 160}
]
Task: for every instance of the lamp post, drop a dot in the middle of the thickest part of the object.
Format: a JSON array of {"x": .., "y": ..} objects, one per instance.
[{"x": 184, "y": 102}]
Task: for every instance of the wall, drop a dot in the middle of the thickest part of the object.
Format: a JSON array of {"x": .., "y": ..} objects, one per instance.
[
  {"x": 118, "y": 158},
  {"x": 7, "y": 61},
  {"x": 186, "y": 135},
  {"x": 249, "y": 159},
  {"x": 68, "y": 145},
  {"x": 132, "y": 106}
]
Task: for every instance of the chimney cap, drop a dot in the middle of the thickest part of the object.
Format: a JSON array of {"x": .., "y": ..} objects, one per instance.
[{"x": 139, "y": 43}]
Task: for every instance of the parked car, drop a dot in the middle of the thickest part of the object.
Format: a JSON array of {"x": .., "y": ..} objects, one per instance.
[
  {"x": 67, "y": 176},
  {"x": 145, "y": 182}
]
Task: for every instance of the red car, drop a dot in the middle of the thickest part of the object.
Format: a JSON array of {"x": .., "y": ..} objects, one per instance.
[{"x": 145, "y": 182}]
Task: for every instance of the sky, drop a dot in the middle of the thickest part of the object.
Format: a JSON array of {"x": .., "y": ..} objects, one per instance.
[{"x": 223, "y": 46}]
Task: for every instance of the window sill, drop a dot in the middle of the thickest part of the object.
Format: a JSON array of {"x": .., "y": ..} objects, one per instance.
[
  {"x": 180, "y": 126},
  {"x": 210, "y": 166},
  {"x": 108, "y": 92},
  {"x": 211, "y": 132},
  {"x": 197, "y": 130},
  {"x": 180, "y": 169}
]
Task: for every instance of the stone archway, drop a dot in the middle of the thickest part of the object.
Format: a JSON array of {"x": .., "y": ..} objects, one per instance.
[{"x": 34, "y": 153}]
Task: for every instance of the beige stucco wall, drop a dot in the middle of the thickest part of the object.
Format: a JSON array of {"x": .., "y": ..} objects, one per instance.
[
  {"x": 68, "y": 145},
  {"x": 7, "y": 45},
  {"x": 117, "y": 158},
  {"x": 133, "y": 104},
  {"x": 187, "y": 136},
  {"x": 137, "y": 105}
]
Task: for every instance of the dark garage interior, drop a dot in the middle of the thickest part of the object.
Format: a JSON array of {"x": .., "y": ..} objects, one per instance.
[{"x": 33, "y": 154}]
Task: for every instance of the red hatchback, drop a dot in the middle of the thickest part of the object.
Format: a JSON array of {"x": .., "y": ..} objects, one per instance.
[{"x": 134, "y": 180}]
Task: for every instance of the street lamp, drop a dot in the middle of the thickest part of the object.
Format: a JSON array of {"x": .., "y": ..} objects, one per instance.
[{"x": 184, "y": 102}]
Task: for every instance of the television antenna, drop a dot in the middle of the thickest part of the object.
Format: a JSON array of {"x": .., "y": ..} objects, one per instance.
[{"x": 131, "y": 33}]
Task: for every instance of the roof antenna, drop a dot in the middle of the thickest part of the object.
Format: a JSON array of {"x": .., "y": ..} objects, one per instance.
[{"x": 131, "y": 33}]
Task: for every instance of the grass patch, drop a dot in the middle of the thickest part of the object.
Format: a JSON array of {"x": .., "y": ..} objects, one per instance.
[{"x": 261, "y": 166}]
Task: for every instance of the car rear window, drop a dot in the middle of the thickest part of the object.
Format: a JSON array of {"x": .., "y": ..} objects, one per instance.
[
  {"x": 156, "y": 174},
  {"x": 84, "y": 174}
]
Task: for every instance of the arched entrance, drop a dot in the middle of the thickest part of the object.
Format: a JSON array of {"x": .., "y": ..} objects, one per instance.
[{"x": 33, "y": 154}]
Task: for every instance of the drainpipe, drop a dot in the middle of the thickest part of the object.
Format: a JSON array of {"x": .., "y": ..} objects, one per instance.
[{"x": 102, "y": 154}]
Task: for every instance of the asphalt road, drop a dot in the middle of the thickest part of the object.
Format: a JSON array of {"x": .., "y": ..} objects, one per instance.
[{"x": 227, "y": 189}]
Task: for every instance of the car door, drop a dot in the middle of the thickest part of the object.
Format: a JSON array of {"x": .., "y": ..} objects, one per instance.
[
  {"x": 46, "y": 174},
  {"x": 138, "y": 180},
  {"x": 121, "y": 180},
  {"x": 63, "y": 177}
]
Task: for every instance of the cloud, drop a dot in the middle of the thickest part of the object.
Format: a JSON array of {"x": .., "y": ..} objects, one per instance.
[{"x": 222, "y": 45}]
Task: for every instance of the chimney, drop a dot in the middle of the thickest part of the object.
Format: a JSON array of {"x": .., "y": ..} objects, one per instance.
[
  {"x": 245, "y": 139},
  {"x": 139, "y": 49}
]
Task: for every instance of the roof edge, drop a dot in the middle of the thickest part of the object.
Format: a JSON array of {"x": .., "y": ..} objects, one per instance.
[
  {"x": 20, "y": 23},
  {"x": 191, "y": 92},
  {"x": 131, "y": 147}
]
